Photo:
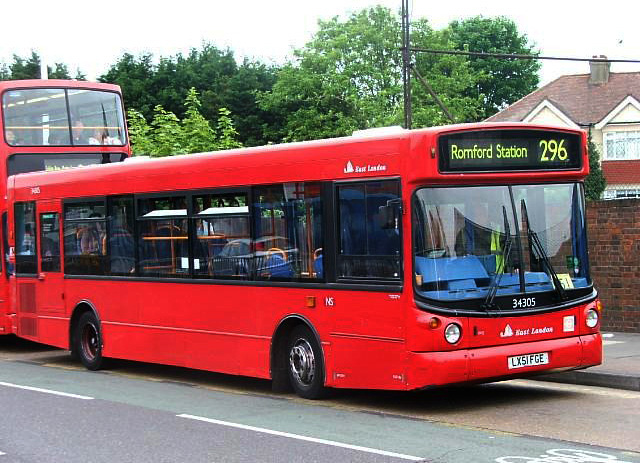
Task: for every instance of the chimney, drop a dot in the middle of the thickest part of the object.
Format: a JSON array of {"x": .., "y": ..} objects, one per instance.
[{"x": 599, "y": 70}]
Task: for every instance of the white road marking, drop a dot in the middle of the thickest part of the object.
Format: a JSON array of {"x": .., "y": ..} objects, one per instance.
[
  {"x": 608, "y": 343},
  {"x": 304, "y": 438},
  {"x": 564, "y": 455},
  {"x": 46, "y": 391},
  {"x": 596, "y": 390},
  {"x": 2, "y": 453}
]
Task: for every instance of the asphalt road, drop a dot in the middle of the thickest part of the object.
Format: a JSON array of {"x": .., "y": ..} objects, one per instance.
[{"x": 55, "y": 411}]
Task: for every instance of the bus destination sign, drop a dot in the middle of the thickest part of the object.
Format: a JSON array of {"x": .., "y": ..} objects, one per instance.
[{"x": 509, "y": 150}]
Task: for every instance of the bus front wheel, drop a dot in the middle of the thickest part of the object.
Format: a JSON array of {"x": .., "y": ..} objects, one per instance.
[
  {"x": 305, "y": 364},
  {"x": 88, "y": 341}
]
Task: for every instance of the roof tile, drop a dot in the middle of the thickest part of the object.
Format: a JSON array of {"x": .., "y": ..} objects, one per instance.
[{"x": 582, "y": 102}]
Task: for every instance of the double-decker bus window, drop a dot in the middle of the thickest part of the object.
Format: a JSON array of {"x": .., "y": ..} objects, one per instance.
[
  {"x": 35, "y": 117},
  {"x": 25, "y": 227},
  {"x": 49, "y": 242},
  {"x": 163, "y": 236},
  {"x": 84, "y": 239},
  {"x": 288, "y": 224},
  {"x": 21, "y": 163},
  {"x": 222, "y": 248},
  {"x": 41, "y": 116},
  {"x": 96, "y": 118},
  {"x": 369, "y": 243},
  {"x": 120, "y": 242}
]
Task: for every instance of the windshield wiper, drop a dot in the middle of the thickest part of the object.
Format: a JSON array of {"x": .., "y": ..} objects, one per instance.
[
  {"x": 507, "y": 246},
  {"x": 538, "y": 249}
]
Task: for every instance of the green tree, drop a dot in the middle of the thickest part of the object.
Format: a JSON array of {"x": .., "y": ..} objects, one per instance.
[
  {"x": 80, "y": 75},
  {"x": 500, "y": 81},
  {"x": 595, "y": 182},
  {"x": 5, "y": 73},
  {"x": 213, "y": 72},
  {"x": 198, "y": 134},
  {"x": 25, "y": 68},
  {"x": 227, "y": 134},
  {"x": 140, "y": 135},
  {"x": 135, "y": 76},
  {"x": 167, "y": 135},
  {"x": 349, "y": 76},
  {"x": 60, "y": 71},
  {"x": 29, "y": 68}
]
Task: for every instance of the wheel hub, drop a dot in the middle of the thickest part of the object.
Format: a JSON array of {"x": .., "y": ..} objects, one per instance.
[
  {"x": 90, "y": 342},
  {"x": 302, "y": 362}
]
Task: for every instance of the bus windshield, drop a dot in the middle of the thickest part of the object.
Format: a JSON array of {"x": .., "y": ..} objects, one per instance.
[
  {"x": 63, "y": 117},
  {"x": 479, "y": 242}
]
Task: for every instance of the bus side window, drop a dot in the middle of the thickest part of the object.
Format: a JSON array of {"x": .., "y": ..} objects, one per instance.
[
  {"x": 25, "y": 226},
  {"x": 50, "y": 242},
  {"x": 120, "y": 243},
  {"x": 369, "y": 237},
  {"x": 163, "y": 236},
  {"x": 84, "y": 238},
  {"x": 288, "y": 224}
]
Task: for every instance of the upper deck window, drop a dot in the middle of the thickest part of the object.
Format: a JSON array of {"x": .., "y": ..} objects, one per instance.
[{"x": 66, "y": 117}]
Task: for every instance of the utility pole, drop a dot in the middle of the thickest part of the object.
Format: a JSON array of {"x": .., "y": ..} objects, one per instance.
[
  {"x": 44, "y": 71},
  {"x": 406, "y": 64}
]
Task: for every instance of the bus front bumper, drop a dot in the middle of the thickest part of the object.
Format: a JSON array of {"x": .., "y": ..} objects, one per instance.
[{"x": 492, "y": 363}]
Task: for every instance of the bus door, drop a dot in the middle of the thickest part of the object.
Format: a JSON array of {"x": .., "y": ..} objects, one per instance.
[{"x": 50, "y": 285}]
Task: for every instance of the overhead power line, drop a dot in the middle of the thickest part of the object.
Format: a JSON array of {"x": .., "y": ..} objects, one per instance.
[{"x": 519, "y": 56}]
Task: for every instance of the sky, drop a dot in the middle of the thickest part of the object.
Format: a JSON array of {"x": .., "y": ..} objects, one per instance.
[{"x": 92, "y": 36}]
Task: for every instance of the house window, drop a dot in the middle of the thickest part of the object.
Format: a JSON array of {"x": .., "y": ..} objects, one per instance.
[
  {"x": 627, "y": 193},
  {"x": 621, "y": 146}
]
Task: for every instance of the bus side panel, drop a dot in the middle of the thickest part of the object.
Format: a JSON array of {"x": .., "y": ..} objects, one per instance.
[
  {"x": 367, "y": 338},
  {"x": 53, "y": 331},
  {"x": 204, "y": 326},
  {"x": 368, "y": 364}
]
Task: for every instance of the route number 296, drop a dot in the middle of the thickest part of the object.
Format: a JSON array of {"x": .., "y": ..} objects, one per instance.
[{"x": 552, "y": 150}]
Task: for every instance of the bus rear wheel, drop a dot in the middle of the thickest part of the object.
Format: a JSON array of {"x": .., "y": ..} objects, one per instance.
[
  {"x": 305, "y": 364},
  {"x": 88, "y": 341}
]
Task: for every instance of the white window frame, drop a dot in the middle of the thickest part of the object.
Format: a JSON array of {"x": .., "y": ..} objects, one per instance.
[
  {"x": 621, "y": 136},
  {"x": 622, "y": 193}
]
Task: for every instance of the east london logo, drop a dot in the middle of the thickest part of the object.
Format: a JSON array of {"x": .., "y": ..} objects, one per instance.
[
  {"x": 508, "y": 331},
  {"x": 351, "y": 169}
]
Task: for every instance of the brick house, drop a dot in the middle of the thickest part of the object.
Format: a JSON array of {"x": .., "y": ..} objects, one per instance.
[{"x": 607, "y": 104}]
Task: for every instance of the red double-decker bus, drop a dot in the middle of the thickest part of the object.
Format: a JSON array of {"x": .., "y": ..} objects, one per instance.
[
  {"x": 399, "y": 260},
  {"x": 51, "y": 125}
]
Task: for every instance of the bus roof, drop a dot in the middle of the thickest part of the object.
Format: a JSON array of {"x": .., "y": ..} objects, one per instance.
[
  {"x": 328, "y": 159},
  {"x": 56, "y": 83}
]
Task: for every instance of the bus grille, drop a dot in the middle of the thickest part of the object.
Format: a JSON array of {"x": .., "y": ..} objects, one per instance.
[
  {"x": 28, "y": 326},
  {"x": 28, "y": 298}
]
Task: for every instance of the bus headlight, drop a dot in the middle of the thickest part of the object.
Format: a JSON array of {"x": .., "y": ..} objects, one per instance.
[
  {"x": 592, "y": 318},
  {"x": 452, "y": 333}
]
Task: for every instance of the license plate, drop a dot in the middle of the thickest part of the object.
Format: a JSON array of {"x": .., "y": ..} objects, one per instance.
[{"x": 528, "y": 360}]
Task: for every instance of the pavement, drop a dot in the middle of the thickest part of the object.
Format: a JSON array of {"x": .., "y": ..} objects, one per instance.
[{"x": 620, "y": 368}]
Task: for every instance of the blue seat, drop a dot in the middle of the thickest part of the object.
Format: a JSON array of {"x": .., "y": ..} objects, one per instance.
[
  {"x": 277, "y": 267},
  {"x": 450, "y": 268},
  {"x": 462, "y": 284},
  {"x": 317, "y": 266}
]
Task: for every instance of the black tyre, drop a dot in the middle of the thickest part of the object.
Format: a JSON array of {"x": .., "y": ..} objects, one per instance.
[
  {"x": 305, "y": 364},
  {"x": 88, "y": 341}
]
